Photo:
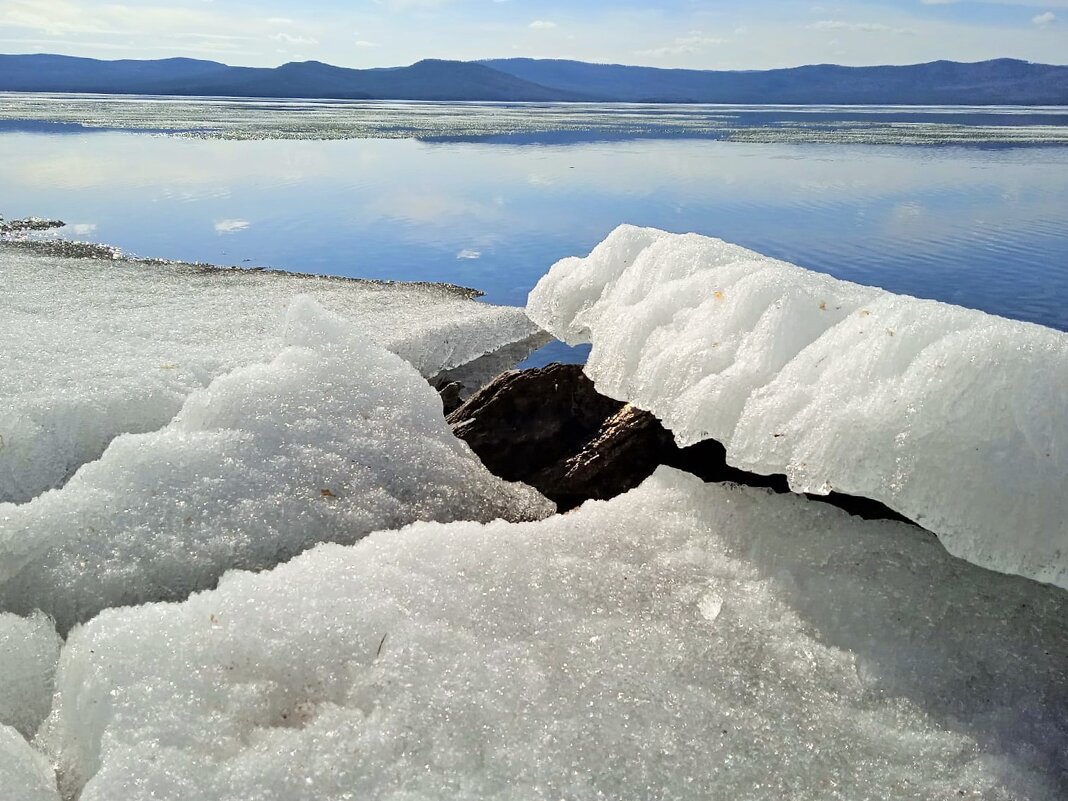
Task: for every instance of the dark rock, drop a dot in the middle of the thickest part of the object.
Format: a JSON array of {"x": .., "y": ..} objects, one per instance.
[
  {"x": 450, "y": 397},
  {"x": 28, "y": 224},
  {"x": 529, "y": 421},
  {"x": 622, "y": 454},
  {"x": 630, "y": 446},
  {"x": 550, "y": 428}
]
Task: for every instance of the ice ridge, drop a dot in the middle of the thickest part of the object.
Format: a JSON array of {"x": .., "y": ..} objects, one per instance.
[{"x": 950, "y": 416}]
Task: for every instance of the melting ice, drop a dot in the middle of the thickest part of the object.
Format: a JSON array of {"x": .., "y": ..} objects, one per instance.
[
  {"x": 429, "y": 631},
  {"x": 577, "y": 658},
  {"x": 98, "y": 348},
  {"x": 950, "y": 416},
  {"x": 333, "y": 438}
]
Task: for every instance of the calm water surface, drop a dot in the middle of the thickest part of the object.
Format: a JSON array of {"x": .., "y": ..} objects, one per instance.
[{"x": 982, "y": 225}]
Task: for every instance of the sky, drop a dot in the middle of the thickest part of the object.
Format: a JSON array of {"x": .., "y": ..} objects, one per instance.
[{"x": 701, "y": 34}]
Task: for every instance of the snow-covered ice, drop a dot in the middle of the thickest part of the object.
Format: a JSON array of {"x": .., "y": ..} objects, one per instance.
[
  {"x": 332, "y": 439},
  {"x": 685, "y": 640},
  {"x": 682, "y": 641},
  {"x": 29, "y": 650},
  {"x": 25, "y": 774},
  {"x": 952, "y": 417},
  {"x": 93, "y": 348}
]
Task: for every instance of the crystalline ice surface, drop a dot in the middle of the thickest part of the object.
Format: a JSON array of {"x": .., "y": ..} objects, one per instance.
[
  {"x": 25, "y": 775},
  {"x": 953, "y": 417},
  {"x": 332, "y": 439},
  {"x": 29, "y": 650},
  {"x": 682, "y": 641},
  {"x": 93, "y": 348}
]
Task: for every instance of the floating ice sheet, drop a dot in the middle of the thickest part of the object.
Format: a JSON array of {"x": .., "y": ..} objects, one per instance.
[
  {"x": 92, "y": 348},
  {"x": 29, "y": 650},
  {"x": 331, "y": 440},
  {"x": 682, "y": 641},
  {"x": 25, "y": 775},
  {"x": 234, "y": 118},
  {"x": 953, "y": 417}
]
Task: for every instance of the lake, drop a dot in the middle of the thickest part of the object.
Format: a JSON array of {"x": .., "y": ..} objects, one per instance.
[{"x": 967, "y": 206}]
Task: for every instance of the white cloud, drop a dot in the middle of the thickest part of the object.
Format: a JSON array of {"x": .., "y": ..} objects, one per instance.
[
  {"x": 864, "y": 27},
  {"x": 542, "y": 25},
  {"x": 683, "y": 45},
  {"x": 61, "y": 17},
  {"x": 1045, "y": 19},
  {"x": 156, "y": 27},
  {"x": 1031, "y": 3},
  {"x": 410, "y": 5},
  {"x": 294, "y": 40},
  {"x": 230, "y": 226}
]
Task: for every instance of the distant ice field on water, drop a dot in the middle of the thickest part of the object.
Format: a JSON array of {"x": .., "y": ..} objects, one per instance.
[
  {"x": 959, "y": 204},
  {"x": 238, "y": 118}
]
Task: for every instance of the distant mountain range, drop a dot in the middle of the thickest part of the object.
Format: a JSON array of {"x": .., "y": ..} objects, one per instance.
[{"x": 1001, "y": 81}]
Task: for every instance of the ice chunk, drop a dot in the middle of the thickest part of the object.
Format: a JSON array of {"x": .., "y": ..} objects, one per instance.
[
  {"x": 25, "y": 775},
  {"x": 29, "y": 650},
  {"x": 92, "y": 348},
  {"x": 476, "y": 374},
  {"x": 682, "y": 641},
  {"x": 334, "y": 438},
  {"x": 950, "y": 416}
]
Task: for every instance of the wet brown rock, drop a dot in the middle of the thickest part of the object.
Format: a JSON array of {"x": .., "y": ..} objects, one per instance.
[
  {"x": 549, "y": 428},
  {"x": 524, "y": 425},
  {"x": 451, "y": 398}
]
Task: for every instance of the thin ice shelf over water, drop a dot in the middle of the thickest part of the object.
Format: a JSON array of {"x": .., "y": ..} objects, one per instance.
[{"x": 952, "y": 417}]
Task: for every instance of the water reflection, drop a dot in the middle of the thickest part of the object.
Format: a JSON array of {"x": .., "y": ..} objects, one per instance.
[{"x": 983, "y": 228}]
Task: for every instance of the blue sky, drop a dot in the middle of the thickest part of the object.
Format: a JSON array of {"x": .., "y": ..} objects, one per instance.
[{"x": 713, "y": 34}]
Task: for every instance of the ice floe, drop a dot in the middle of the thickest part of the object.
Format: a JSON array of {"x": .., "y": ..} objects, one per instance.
[
  {"x": 952, "y": 417},
  {"x": 95, "y": 348},
  {"x": 682, "y": 641},
  {"x": 552, "y": 123},
  {"x": 332, "y": 439}
]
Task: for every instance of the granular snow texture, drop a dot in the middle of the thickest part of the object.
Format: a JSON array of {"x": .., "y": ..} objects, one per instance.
[
  {"x": 93, "y": 348},
  {"x": 682, "y": 641},
  {"x": 332, "y": 439}
]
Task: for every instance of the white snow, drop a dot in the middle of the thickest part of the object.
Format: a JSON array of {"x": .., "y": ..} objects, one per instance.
[
  {"x": 92, "y": 348},
  {"x": 331, "y": 440},
  {"x": 952, "y": 417},
  {"x": 29, "y": 650},
  {"x": 25, "y": 775},
  {"x": 682, "y": 641},
  {"x": 161, "y": 425}
]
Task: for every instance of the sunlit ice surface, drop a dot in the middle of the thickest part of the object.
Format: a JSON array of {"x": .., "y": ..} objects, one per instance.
[{"x": 237, "y": 118}]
